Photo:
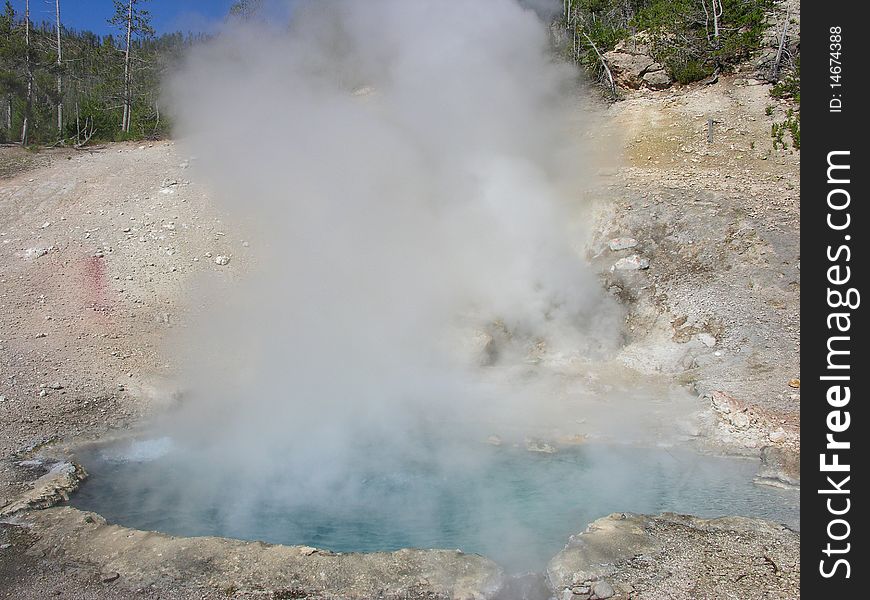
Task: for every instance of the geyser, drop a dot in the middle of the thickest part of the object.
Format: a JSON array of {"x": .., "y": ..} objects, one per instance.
[
  {"x": 412, "y": 182},
  {"x": 411, "y": 174}
]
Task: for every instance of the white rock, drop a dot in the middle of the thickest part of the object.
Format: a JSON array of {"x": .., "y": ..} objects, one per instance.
[
  {"x": 222, "y": 260},
  {"x": 740, "y": 420},
  {"x": 35, "y": 252},
  {"x": 777, "y": 435},
  {"x": 634, "y": 262},
  {"x": 602, "y": 589},
  {"x": 622, "y": 243},
  {"x": 707, "y": 339}
]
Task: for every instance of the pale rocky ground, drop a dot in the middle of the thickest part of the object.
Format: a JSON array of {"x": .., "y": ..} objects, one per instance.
[
  {"x": 128, "y": 228},
  {"x": 719, "y": 305},
  {"x": 679, "y": 558}
]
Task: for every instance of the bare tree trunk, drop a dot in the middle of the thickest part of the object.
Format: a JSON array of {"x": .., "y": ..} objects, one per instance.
[
  {"x": 29, "y": 101},
  {"x": 128, "y": 100},
  {"x": 717, "y": 12},
  {"x": 59, "y": 63},
  {"x": 9, "y": 114},
  {"x": 774, "y": 75},
  {"x": 603, "y": 64}
]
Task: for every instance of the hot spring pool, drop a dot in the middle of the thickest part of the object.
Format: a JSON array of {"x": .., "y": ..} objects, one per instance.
[{"x": 514, "y": 506}]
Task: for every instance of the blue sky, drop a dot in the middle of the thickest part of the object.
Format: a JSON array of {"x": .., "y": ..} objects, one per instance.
[{"x": 166, "y": 15}]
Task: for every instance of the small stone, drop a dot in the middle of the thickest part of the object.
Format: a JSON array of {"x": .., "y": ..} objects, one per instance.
[
  {"x": 622, "y": 243},
  {"x": 740, "y": 420},
  {"x": 41, "y": 335},
  {"x": 33, "y": 253},
  {"x": 794, "y": 383},
  {"x": 5, "y": 546},
  {"x": 56, "y": 386},
  {"x": 567, "y": 594},
  {"x": 777, "y": 435},
  {"x": 109, "y": 577},
  {"x": 43, "y": 393},
  {"x": 222, "y": 260},
  {"x": 602, "y": 590},
  {"x": 632, "y": 263},
  {"x": 2, "y": 398},
  {"x": 707, "y": 339}
]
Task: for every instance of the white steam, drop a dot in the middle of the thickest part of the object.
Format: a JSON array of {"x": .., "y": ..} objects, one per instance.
[{"x": 412, "y": 174}]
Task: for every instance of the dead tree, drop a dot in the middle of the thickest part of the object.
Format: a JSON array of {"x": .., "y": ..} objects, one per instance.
[
  {"x": 59, "y": 70},
  {"x": 83, "y": 136},
  {"x": 604, "y": 64},
  {"x": 715, "y": 11},
  {"x": 128, "y": 95},
  {"x": 774, "y": 74},
  {"x": 28, "y": 106}
]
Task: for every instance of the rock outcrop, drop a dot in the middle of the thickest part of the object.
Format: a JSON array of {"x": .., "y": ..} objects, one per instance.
[{"x": 633, "y": 67}]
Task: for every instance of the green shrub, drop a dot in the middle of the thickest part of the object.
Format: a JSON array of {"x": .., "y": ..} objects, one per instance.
[
  {"x": 688, "y": 48},
  {"x": 789, "y": 87},
  {"x": 688, "y": 71}
]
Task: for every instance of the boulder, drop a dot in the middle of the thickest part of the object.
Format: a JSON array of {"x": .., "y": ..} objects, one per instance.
[
  {"x": 633, "y": 66},
  {"x": 657, "y": 80}
]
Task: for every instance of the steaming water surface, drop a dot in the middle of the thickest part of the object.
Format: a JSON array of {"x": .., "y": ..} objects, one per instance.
[{"x": 514, "y": 506}]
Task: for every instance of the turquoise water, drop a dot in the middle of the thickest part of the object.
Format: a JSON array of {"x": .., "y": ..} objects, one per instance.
[{"x": 514, "y": 506}]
